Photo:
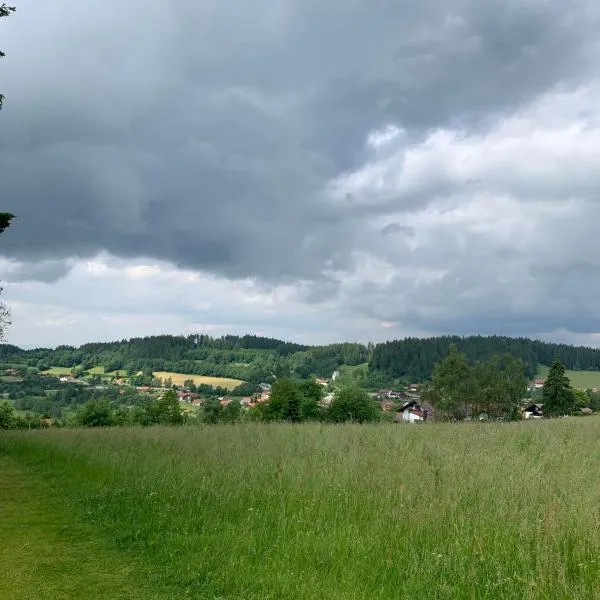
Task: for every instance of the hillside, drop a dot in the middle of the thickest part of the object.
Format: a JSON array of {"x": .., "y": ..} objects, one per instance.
[
  {"x": 254, "y": 359},
  {"x": 415, "y": 358}
]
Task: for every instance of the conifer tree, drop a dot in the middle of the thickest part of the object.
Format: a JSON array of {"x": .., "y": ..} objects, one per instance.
[{"x": 557, "y": 393}]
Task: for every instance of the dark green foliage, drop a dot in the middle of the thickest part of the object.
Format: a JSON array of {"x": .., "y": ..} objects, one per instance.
[
  {"x": 558, "y": 394},
  {"x": 232, "y": 412},
  {"x": 96, "y": 413},
  {"x": 212, "y": 411},
  {"x": 292, "y": 401},
  {"x": 501, "y": 385},
  {"x": 415, "y": 358},
  {"x": 454, "y": 388},
  {"x": 245, "y": 389},
  {"x": 168, "y": 409},
  {"x": 5, "y": 219},
  {"x": 284, "y": 403},
  {"x": 354, "y": 405},
  {"x": 7, "y": 416},
  {"x": 495, "y": 386}
]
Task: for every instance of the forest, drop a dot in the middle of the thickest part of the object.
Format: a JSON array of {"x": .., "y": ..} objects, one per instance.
[{"x": 415, "y": 358}]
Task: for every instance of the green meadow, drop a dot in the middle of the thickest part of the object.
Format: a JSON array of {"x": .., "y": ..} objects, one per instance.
[
  {"x": 244, "y": 512},
  {"x": 583, "y": 380}
]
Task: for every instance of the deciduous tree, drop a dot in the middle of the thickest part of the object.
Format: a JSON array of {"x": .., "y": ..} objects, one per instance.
[
  {"x": 454, "y": 384},
  {"x": 353, "y": 404}
]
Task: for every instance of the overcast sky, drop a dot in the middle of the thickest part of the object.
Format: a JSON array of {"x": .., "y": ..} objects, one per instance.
[{"x": 315, "y": 171}]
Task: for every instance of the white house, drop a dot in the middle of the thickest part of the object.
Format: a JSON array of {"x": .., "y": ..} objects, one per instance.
[{"x": 411, "y": 413}]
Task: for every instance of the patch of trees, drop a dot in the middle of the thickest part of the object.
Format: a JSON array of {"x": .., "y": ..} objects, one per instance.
[
  {"x": 459, "y": 388},
  {"x": 296, "y": 401}
]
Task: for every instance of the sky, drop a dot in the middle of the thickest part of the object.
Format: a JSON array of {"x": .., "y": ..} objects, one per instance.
[{"x": 314, "y": 171}]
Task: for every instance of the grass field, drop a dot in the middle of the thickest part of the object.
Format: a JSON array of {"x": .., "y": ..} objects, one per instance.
[
  {"x": 583, "y": 380},
  {"x": 118, "y": 373},
  {"x": 179, "y": 378},
  {"x": 249, "y": 512},
  {"x": 58, "y": 371}
]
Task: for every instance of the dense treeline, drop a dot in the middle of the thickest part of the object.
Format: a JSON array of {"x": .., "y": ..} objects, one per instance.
[
  {"x": 255, "y": 359},
  {"x": 415, "y": 358}
]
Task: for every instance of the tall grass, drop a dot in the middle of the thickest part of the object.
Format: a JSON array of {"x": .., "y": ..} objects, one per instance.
[{"x": 312, "y": 511}]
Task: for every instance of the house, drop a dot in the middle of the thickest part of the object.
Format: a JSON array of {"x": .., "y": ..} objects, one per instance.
[
  {"x": 246, "y": 401},
  {"x": 537, "y": 384},
  {"x": 411, "y": 412},
  {"x": 265, "y": 387},
  {"x": 586, "y": 411},
  {"x": 187, "y": 396},
  {"x": 533, "y": 411},
  {"x": 387, "y": 405},
  {"x": 11, "y": 373},
  {"x": 322, "y": 381}
]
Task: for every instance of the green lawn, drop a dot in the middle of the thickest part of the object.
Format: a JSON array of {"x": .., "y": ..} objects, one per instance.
[
  {"x": 583, "y": 380},
  {"x": 248, "y": 512}
]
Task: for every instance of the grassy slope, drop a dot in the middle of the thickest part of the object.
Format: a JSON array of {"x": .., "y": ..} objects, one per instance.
[
  {"x": 179, "y": 378},
  {"x": 579, "y": 379},
  {"x": 58, "y": 371},
  {"x": 248, "y": 512},
  {"x": 47, "y": 554}
]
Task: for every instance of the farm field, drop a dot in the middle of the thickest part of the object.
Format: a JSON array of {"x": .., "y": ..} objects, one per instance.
[
  {"x": 444, "y": 511},
  {"x": 179, "y": 378},
  {"x": 583, "y": 380}
]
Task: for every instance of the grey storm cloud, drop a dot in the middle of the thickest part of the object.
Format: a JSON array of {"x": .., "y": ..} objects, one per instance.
[{"x": 206, "y": 133}]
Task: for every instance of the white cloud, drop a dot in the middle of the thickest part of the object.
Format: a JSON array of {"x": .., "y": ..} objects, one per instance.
[{"x": 476, "y": 231}]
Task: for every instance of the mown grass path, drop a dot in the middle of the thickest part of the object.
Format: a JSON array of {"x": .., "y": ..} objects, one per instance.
[{"x": 46, "y": 554}]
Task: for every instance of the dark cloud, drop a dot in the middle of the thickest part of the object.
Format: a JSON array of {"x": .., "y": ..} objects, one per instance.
[
  {"x": 204, "y": 135},
  {"x": 208, "y": 134},
  {"x": 47, "y": 271}
]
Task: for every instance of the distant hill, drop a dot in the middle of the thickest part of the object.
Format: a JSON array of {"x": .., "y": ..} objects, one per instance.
[
  {"x": 415, "y": 358},
  {"x": 253, "y": 358},
  {"x": 248, "y": 358}
]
